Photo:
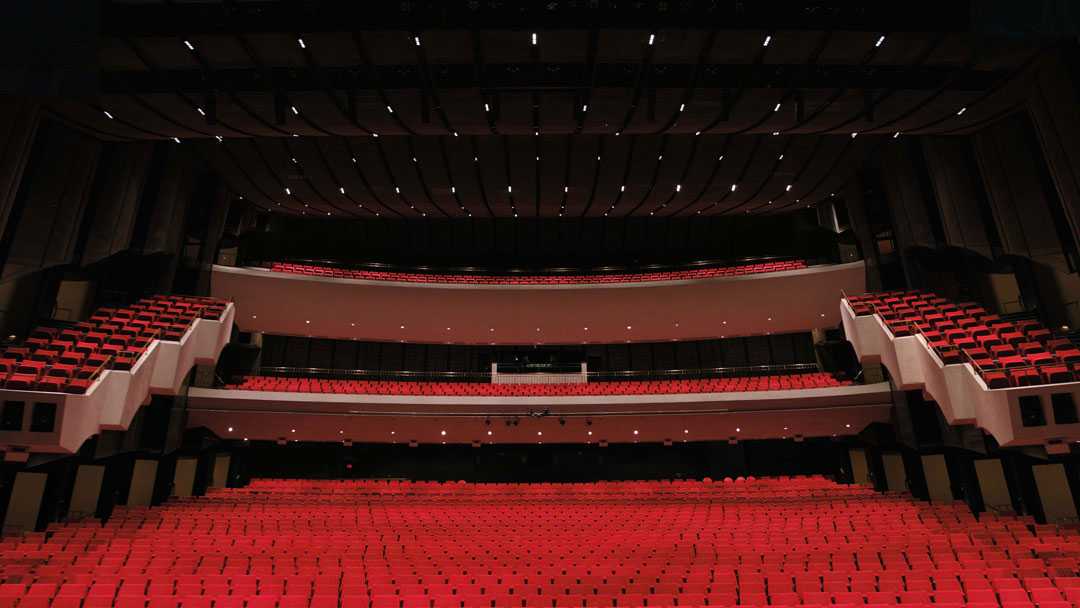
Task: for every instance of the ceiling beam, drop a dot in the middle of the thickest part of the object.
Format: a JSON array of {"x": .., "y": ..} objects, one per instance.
[
  {"x": 123, "y": 18},
  {"x": 549, "y": 77}
]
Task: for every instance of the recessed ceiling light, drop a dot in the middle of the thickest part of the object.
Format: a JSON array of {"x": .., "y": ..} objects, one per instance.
[
  {"x": 108, "y": 114},
  {"x": 768, "y": 39},
  {"x": 300, "y": 41},
  {"x": 961, "y": 112},
  {"x": 200, "y": 111},
  {"x": 738, "y": 430},
  {"x": 652, "y": 39},
  {"x": 230, "y": 429},
  {"x": 489, "y": 432},
  {"x": 189, "y": 46},
  {"x": 777, "y": 108},
  {"x": 443, "y": 433},
  {"x": 176, "y": 139},
  {"x": 534, "y": 38},
  {"x": 854, "y": 134},
  {"x": 416, "y": 40},
  {"x": 635, "y": 431},
  {"x": 678, "y": 187},
  {"x": 341, "y": 189},
  {"x": 307, "y": 322},
  {"x": 389, "y": 109},
  {"x": 294, "y": 110},
  {"x": 734, "y": 187},
  {"x": 880, "y": 41},
  {"x": 896, "y": 135},
  {"x": 788, "y": 188},
  {"x": 219, "y": 138},
  {"x": 294, "y": 430}
]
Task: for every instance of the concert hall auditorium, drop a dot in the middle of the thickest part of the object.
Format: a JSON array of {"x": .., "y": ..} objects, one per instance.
[{"x": 540, "y": 304}]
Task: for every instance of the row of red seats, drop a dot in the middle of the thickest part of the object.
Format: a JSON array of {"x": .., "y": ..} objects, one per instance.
[
  {"x": 1004, "y": 353},
  {"x": 483, "y": 389},
  {"x": 70, "y": 359},
  {"x": 370, "y": 544},
  {"x": 625, "y": 277}
]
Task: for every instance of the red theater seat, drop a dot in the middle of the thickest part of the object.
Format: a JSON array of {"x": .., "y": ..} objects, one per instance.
[
  {"x": 1005, "y": 353},
  {"x": 481, "y": 279}
]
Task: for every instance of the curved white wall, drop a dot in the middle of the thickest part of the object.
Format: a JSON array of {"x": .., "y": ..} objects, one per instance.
[
  {"x": 388, "y": 419},
  {"x": 779, "y": 302}
]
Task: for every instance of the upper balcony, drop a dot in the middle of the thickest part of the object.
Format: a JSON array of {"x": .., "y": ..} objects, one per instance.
[
  {"x": 1013, "y": 379},
  {"x": 643, "y": 307}
]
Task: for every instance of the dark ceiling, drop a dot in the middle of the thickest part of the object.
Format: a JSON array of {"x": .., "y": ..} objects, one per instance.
[{"x": 449, "y": 109}]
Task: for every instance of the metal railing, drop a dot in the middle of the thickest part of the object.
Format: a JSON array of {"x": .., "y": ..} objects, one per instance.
[{"x": 485, "y": 376}]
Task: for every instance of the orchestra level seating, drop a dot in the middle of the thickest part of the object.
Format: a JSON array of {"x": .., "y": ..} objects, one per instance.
[
  {"x": 1004, "y": 353},
  {"x": 374, "y": 544},
  {"x": 553, "y": 279},
  {"x": 484, "y": 389},
  {"x": 70, "y": 359}
]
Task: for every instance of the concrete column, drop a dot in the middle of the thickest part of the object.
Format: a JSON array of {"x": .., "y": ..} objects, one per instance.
[
  {"x": 220, "y": 477},
  {"x": 992, "y": 485},
  {"x": 895, "y": 474},
  {"x": 141, "y": 491},
  {"x": 184, "y": 477},
  {"x": 1054, "y": 493},
  {"x": 25, "y": 503},
  {"x": 937, "y": 478},
  {"x": 87, "y": 491},
  {"x": 860, "y": 468}
]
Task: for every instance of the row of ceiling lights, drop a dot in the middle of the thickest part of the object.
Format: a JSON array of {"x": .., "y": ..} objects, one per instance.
[
  {"x": 535, "y": 40},
  {"x": 589, "y": 433}
]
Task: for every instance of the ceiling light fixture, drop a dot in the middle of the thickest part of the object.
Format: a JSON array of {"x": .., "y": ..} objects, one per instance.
[
  {"x": 734, "y": 187},
  {"x": 768, "y": 39},
  {"x": 416, "y": 40},
  {"x": 219, "y": 138},
  {"x": 777, "y": 108},
  {"x": 108, "y": 115},
  {"x": 200, "y": 111},
  {"x": 341, "y": 189},
  {"x": 534, "y": 38},
  {"x": 287, "y": 191},
  {"x": 788, "y": 188},
  {"x": 189, "y": 46},
  {"x": 652, "y": 39},
  {"x": 294, "y": 110},
  {"x": 682, "y": 106},
  {"x": 389, "y": 109},
  {"x": 880, "y": 41},
  {"x": 962, "y": 110}
]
